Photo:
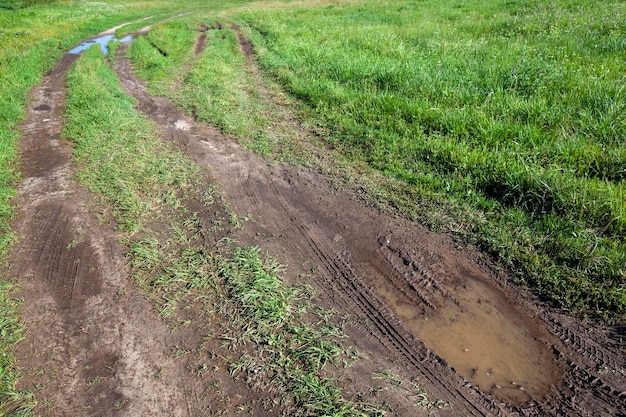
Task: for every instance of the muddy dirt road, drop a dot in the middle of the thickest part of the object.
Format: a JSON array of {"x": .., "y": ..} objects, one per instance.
[{"x": 419, "y": 308}]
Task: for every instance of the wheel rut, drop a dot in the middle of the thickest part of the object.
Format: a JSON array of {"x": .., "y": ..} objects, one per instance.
[{"x": 92, "y": 344}]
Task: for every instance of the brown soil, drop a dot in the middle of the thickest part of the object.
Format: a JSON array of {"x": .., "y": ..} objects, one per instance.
[
  {"x": 418, "y": 307},
  {"x": 201, "y": 41}
]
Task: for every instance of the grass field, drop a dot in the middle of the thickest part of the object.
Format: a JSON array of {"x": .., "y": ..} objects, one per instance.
[{"x": 501, "y": 121}]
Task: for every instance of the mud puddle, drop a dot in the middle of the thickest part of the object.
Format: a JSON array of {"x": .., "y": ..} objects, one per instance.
[
  {"x": 483, "y": 341},
  {"x": 103, "y": 41}
]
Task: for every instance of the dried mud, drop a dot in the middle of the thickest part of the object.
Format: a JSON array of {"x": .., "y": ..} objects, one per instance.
[{"x": 418, "y": 306}]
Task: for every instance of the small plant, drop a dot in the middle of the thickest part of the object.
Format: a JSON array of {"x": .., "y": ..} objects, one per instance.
[
  {"x": 94, "y": 381},
  {"x": 120, "y": 404},
  {"x": 421, "y": 399},
  {"x": 389, "y": 376}
]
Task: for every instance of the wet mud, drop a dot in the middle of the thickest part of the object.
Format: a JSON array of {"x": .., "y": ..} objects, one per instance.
[
  {"x": 416, "y": 306},
  {"x": 201, "y": 41},
  {"x": 473, "y": 327}
]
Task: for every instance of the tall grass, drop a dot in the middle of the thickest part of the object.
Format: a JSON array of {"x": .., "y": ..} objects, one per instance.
[{"x": 510, "y": 115}]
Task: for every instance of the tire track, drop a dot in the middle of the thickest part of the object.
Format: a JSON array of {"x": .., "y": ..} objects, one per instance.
[
  {"x": 249, "y": 189},
  {"x": 92, "y": 344}
]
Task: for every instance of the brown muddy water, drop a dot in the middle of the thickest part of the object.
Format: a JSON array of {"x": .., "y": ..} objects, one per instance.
[{"x": 483, "y": 338}]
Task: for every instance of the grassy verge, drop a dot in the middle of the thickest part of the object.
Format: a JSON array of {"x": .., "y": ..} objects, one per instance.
[
  {"x": 509, "y": 118},
  {"x": 11, "y": 401},
  {"x": 148, "y": 186}
]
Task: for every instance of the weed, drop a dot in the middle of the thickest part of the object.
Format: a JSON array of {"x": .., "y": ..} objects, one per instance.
[
  {"x": 294, "y": 352},
  {"x": 389, "y": 376},
  {"x": 421, "y": 399},
  {"x": 120, "y": 293},
  {"x": 120, "y": 404},
  {"x": 94, "y": 381}
]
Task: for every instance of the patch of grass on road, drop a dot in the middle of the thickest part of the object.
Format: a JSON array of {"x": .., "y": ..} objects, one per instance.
[
  {"x": 215, "y": 87},
  {"x": 508, "y": 119},
  {"x": 293, "y": 352},
  {"x": 11, "y": 401},
  {"x": 118, "y": 151},
  {"x": 164, "y": 50}
]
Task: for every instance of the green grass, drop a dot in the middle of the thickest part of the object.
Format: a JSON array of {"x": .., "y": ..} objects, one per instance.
[
  {"x": 118, "y": 151},
  {"x": 12, "y": 401},
  {"x": 509, "y": 117},
  {"x": 293, "y": 353},
  {"x": 218, "y": 88},
  {"x": 215, "y": 86}
]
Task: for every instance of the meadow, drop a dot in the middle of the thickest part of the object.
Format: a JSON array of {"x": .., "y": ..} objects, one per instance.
[{"x": 501, "y": 122}]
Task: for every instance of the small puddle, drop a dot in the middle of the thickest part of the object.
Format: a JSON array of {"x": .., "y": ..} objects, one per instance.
[
  {"x": 480, "y": 335},
  {"x": 103, "y": 41}
]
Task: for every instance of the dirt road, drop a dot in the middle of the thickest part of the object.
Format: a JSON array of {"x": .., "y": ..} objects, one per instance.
[{"x": 419, "y": 308}]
